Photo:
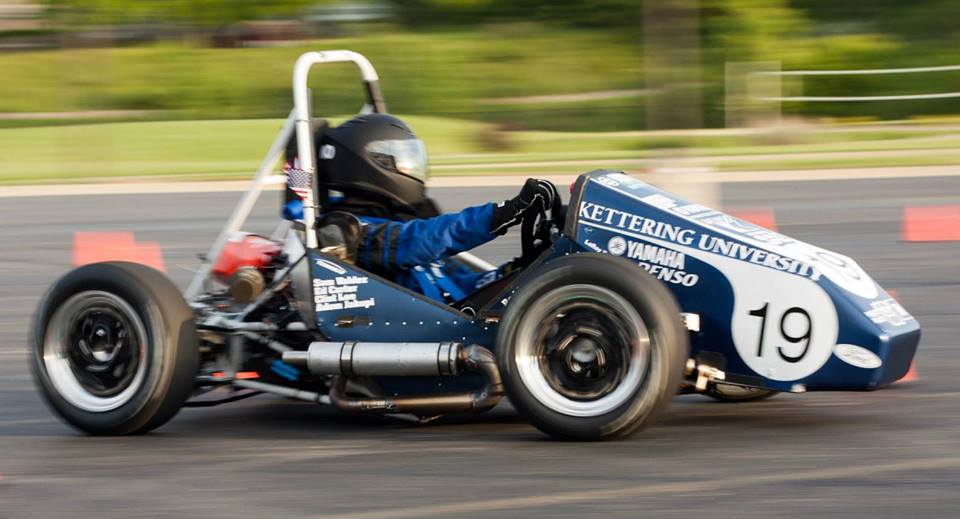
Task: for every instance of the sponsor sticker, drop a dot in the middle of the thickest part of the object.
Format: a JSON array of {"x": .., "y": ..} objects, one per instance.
[
  {"x": 592, "y": 246},
  {"x": 857, "y": 356},
  {"x": 888, "y": 311},
  {"x": 662, "y": 263},
  {"x": 608, "y": 181},
  {"x": 617, "y": 246}
]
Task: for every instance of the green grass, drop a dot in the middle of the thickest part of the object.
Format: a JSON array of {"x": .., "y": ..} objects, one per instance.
[
  {"x": 234, "y": 149},
  {"x": 444, "y": 73}
]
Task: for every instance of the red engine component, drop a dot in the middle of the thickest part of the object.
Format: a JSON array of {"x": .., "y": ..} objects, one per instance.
[{"x": 248, "y": 250}]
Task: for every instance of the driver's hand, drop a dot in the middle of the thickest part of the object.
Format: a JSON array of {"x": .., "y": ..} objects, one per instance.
[{"x": 535, "y": 191}]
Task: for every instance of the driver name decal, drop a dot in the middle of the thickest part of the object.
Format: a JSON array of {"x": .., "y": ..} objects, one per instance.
[{"x": 340, "y": 293}]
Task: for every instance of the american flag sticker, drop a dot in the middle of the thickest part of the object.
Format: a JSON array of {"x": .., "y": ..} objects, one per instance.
[{"x": 299, "y": 181}]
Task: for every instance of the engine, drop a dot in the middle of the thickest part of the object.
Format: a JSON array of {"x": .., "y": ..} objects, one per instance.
[{"x": 246, "y": 264}]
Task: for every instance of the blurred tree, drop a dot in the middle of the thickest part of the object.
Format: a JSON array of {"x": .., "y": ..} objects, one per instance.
[
  {"x": 672, "y": 63},
  {"x": 748, "y": 30},
  {"x": 202, "y": 12},
  {"x": 914, "y": 20},
  {"x": 584, "y": 13}
]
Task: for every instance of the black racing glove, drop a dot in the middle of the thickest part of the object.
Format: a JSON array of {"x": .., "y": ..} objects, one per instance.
[
  {"x": 509, "y": 212},
  {"x": 338, "y": 234}
]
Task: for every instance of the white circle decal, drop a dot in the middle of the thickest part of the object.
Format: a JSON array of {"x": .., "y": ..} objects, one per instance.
[
  {"x": 617, "y": 246},
  {"x": 784, "y": 327},
  {"x": 857, "y": 356}
]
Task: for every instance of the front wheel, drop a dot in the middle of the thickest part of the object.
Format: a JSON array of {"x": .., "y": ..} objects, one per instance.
[
  {"x": 593, "y": 348},
  {"x": 114, "y": 348}
]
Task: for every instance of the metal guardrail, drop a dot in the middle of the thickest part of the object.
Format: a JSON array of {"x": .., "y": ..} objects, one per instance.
[{"x": 844, "y": 99}]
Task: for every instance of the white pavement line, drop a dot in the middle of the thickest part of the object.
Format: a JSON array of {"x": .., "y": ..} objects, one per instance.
[
  {"x": 661, "y": 174},
  {"x": 230, "y": 186},
  {"x": 34, "y": 421},
  {"x": 647, "y": 489},
  {"x": 126, "y": 188},
  {"x": 837, "y": 174},
  {"x": 694, "y": 159},
  {"x": 257, "y": 461}
]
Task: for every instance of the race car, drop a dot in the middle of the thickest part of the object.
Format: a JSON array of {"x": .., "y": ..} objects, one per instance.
[{"x": 622, "y": 299}]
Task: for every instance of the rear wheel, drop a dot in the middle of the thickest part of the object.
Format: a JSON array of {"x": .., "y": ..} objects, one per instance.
[
  {"x": 114, "y": 348},
  {"x": 592, "y": 348}
]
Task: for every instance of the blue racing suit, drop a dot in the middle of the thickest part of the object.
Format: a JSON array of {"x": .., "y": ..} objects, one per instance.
[{"x": 415, "y": 251}]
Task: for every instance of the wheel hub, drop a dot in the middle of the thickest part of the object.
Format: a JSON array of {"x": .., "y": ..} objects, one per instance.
[
  {"x": 100, "y": 340},
  {"x": 584, "y": 358},
  {"x": 101, "y": 357}
]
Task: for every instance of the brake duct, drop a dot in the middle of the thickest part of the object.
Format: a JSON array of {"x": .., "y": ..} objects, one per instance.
[{"x": 349, "y": 359}]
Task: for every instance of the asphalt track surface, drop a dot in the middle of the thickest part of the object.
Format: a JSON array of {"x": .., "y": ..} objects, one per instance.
[{"x": 889, "y": 453}]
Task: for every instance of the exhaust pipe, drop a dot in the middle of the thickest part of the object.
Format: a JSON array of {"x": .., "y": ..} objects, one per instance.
[
  {"x": 377, "y": 358},
  {"x": 403, "y": 359}
]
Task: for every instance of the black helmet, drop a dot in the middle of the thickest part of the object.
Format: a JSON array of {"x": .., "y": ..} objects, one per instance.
[{"x": 374, "y": 155}]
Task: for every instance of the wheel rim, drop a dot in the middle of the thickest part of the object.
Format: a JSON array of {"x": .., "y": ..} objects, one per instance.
[
  {"x": 582, "y": 350},
  {"x": 95, "y": 351}
]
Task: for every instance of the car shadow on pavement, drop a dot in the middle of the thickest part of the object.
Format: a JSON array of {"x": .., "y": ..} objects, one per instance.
[
  {"x": 267, "y": 416},
  {"x": 290, "y": 419}
]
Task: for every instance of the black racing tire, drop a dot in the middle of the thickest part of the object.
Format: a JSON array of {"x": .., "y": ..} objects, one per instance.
[
  {"x": 113, "y": 348},
  {"x": 592, "y": 348},
  {"x": 737, "y": 394}
]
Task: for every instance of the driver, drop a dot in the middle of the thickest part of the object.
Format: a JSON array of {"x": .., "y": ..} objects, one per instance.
[{"x": 372, "y": 170}]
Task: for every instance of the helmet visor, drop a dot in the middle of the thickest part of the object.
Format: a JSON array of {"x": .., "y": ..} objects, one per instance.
[{"x": 406, "y": 156}]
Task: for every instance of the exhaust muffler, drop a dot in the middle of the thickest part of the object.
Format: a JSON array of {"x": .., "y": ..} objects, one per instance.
[
  {"x": 403, "y": 359},
  {"x": 377, "y": 358}
]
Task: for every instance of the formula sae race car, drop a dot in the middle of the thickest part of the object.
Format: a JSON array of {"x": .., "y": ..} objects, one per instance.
[{"x": 628, "y": 297}]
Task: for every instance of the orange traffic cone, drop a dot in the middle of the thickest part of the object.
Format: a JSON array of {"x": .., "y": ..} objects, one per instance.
[
  {"x": 93, "y": 247},
  {"x": 761, "y": 216},
  {"x": 931, "y": 223}
]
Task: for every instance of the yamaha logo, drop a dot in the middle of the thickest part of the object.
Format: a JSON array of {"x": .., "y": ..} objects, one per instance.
[{"x": 617, "y": 246}]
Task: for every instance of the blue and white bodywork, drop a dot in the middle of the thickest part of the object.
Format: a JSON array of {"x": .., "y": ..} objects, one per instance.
[
  {"x": 783, "y": 314},
  {"x": 774, "y": 312}
]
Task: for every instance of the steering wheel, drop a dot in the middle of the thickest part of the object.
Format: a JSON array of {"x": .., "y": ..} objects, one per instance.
[{"x": 535, "y": 230}]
